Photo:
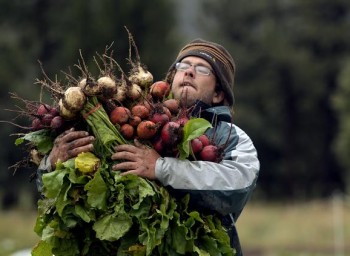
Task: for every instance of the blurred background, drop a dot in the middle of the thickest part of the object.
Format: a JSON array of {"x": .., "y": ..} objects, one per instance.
[{"x": 292, "y": 94}]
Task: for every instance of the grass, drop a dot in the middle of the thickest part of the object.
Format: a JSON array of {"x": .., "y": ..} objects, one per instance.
[
  {"x": 16, "y": 231},
  {"x": 316, "y": 228},
  {"x": 310, "y": 228}
]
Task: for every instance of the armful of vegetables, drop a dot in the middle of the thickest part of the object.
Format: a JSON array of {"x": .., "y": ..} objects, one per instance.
[{"x": 87, "y": 208}]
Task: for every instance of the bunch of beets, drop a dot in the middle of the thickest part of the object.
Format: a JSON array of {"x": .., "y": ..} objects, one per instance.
[
  {"x": 154, "y": 119},
  {"x": 139, "y": 107},
  {"x": 47, "y": 116},
  {"x": 160, "y": 121}
]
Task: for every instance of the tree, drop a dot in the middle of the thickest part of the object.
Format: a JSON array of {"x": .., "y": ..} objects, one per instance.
[
  {"x": 288, "y": 57},
  {"x": 54, "y": 32},
  {"x": 342, "y": 105}
]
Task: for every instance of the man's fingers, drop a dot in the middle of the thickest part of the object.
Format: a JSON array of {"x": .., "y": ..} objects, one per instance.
[
  {"x": 81, "y": 142},
  {"x": 128, "y": 172},
  {"x": 124, "y": 166},
  {"x": 124, "y": 155},
  {"x": 73, "y": 135},
  {"x": 126, "y": 147},
  {"x": 76, "y": 151},
  {"x": 137, "y": 143}
]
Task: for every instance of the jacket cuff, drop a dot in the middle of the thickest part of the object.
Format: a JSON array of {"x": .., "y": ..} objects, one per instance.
[{"x": 44, "y": 167}]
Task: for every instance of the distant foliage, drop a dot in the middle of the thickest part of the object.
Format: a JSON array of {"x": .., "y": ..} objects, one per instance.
[
  {"x": 341, "y": 103},
  {"x": 54, "y": 32},
  {"x": 289, "y": 55}
]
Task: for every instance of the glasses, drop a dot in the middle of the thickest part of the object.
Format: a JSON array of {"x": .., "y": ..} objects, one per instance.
[{"x": 202, "y": 70}]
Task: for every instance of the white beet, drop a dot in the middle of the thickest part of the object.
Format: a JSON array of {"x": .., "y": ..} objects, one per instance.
[
  {"x": 106, "y": 82},
  {"x": 82, "y": 83},
  {"x": 89, "y": 87},
  {"x": 142, "y": 77},
  {"x": 134, "y": 92},
  {"x": 74, "y": 99},
  {"x": 120, "y": 95},
  {"x": 108, "y": 86},
  {"x": 64, "y": 112}
]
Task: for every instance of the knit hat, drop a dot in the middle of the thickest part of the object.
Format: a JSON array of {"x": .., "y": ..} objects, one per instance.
[{"x": 218, "y": 57}]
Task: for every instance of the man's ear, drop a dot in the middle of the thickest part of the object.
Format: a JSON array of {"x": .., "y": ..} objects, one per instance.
[{"x": 218, "y": 97}]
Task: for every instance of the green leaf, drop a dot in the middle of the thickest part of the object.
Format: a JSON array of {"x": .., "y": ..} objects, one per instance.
[
  {"x": 111, "y": 228},
  {"x": 192, "y": 129},
  {"x": 82, "y": 213},
  {"x": 78, "y": 178},
  {"x": 65, "y": 247},
  {"x": 178, "y": 235},
  {"x": 42, "y": 249},
  {"x": 62, "y": 199},
  {"x": 70, "y": 164},
  {"x": 97, "y": 191},
  {"x": 137, "y": 250},
  {"x": 137, "y": 187},
  {"x": 41, "y": 139},
  {"x": 19, "y": 141},
  {"x": 201, "y": 252},
  {"x": 52, "y": 182},
  {"x": 50, "y": 231}
]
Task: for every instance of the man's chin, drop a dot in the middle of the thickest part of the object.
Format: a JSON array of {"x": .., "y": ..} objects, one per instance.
[{"x": 185, "y": 97}]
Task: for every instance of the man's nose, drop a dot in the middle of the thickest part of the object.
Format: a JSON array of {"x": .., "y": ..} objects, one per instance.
[{"x": 190, "y": 71}]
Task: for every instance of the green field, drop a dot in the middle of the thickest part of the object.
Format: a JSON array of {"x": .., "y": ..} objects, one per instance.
[{"x": 312, "y": 228}]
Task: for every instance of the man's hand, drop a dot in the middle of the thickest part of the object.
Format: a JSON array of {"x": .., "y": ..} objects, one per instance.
[
  {"x": 69, "y": 144},
  {"x": 136, "y": 159}
]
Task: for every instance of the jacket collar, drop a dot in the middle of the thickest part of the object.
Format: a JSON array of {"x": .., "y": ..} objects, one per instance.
[{"x": 210, "y": 113}]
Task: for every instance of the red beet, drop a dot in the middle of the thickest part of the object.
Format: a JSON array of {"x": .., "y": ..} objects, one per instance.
[
  {"x": 182, "y": 117},
  {"x": 210, "y": 153},
  {"x": 172, "y": 105},
  {"x": 160, "y": 118},
  {"x": 119, "y": 115},
  {"x": 147, "y": 102},
  {"x": 127, "y": 131},
  {"x": 160, "y": 90},
  {"x": 146, "y": 129},
  {"x": 36, "y": 124},
  {"x": 54, "y": 111},
  {"x": 43, "y": 109},
  {"x": 56, "y": 122},
  {"x": 182, "y": 120},
  {"x": 158, "y": 146},
  {"x": 171, "y": 133},
  {"x": 46, "y": 119},
  {"x": 134, "y": 121},
  {"x": 140, "y": 110},
  {"x": 204, "y": 139},
  {"x": 196, "y": 145},
  {"x": 167, "y": 112}
]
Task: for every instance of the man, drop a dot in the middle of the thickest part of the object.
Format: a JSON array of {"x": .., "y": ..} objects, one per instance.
[{"x": 201, "y": 76}]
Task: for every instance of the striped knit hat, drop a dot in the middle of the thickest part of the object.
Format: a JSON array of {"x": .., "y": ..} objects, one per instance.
[{"x": 219, "y": 59}]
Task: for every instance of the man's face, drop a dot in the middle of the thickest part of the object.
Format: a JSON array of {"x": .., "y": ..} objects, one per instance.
[{"x": 189, "y": 85}]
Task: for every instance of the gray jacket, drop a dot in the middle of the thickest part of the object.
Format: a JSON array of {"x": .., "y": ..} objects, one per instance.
[{"x": 222, "y": 188}]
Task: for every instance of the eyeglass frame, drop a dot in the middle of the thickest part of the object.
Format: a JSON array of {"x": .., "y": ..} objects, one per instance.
[{"x": 198, "y": 68}]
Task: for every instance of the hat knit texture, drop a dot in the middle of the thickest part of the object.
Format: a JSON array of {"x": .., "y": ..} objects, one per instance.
[{"x": 220, "y": 60}]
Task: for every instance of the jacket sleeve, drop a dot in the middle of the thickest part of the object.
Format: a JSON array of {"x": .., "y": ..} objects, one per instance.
[
  {"x": 222, "y": 187},
  {"x": 44, "y": 166}
]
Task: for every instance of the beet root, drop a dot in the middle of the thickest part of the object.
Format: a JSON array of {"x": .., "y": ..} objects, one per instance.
[
  {"x": 120, "y": 115},
  {"x": 211, "y": 153},
  {"x": 146, "y": 129},
  {"x": 127, "y": 130},
  {"x": 160, "y": 90},
  {"x": 171, "y": 133},
  {"x": 196, "y": 146}
]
